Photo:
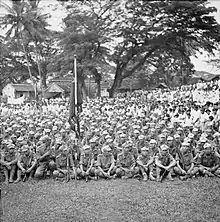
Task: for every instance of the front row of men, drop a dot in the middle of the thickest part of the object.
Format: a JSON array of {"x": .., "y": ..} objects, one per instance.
[{"x": 62, "y": 163}]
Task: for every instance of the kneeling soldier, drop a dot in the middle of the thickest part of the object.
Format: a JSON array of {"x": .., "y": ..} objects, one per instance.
[
  {"x": 164, "y": 163},
  {"x": 126, "y": 163},
  {"x": 185, "y": 167},
  {"x": 86, "y": 163},
  {"x": 209, "y": 162},
  {"x": 9, "y": 161},
  {"x": 145, "y": 163},
  {"x": 27, "y": 162},
  {"x": 105, "y": 163}
]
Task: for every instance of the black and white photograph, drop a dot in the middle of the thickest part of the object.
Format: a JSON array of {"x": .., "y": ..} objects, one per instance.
[{"x": 109, "y": 111}]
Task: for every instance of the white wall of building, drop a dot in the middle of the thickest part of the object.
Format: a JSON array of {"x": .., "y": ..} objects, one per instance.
[{"x": 8, "y": 91}]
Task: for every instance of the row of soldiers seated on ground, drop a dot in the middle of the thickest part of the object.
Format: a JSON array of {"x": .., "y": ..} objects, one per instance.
[{"x": 185, "y": 156}]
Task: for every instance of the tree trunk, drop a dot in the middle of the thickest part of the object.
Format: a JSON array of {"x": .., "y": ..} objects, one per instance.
[
  {"x": 29, "y": 70},
  {"x": 84, "y": 89},
  {"x": 98, "y": 93},
  {"x": 117, "y": 82}
]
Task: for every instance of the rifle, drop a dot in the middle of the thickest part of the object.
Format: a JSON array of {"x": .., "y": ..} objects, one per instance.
[
  {"x": 68, "y": 169},
  {"x": 25, "y": 177},
  {"x": 163, "y": 175}
]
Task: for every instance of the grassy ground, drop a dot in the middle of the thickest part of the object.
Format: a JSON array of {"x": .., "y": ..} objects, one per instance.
[{"x": 115, "y": 200}]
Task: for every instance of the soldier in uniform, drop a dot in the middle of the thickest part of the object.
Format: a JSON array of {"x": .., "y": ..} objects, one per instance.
[
  {"x": 105, "y": 163},
  {"x": 209, "y": 164},
  {"x": 9, "y": 161},
  {"x": 27, "y": 162},
  {"x": 95, "y": 148},
  {"x": 64, "y": 164},
  {"x": 126, "y": 164},
  {"x": 153, "y": 147},
  {"x": 86, "y": 164},
  {"x": 172, "y": 148},
  {"x": 185, "y": 167},
  {"x": 145, "y": 162},
  {"x": 164, "y": 163},
  {"x": 45, "y": 162}
]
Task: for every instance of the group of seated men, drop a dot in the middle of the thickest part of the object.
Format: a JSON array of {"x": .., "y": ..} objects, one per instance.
[{"x": 188, "y": 153}]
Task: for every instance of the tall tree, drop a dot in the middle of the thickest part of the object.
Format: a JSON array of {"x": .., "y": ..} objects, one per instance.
[
  {"x": 24, "y": 20},
  {"x": 151, "y": 29}
]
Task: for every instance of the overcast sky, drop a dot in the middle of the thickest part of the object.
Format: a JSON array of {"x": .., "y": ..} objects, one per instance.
[{"x": 56, "y": 24}]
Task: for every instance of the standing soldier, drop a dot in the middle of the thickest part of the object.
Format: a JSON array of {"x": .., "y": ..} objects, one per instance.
[
  {"x": 164, "y": 163},
  {"x": 185, "y": 167},
  {"x": 86, "y": 163},
  {"x": 145, "y": 163},
  {"x": 9, "y": 161},
  {"x": 105, "y": 163},
  {"x": 43, "y": 152},
  {"x": 126, "y": 163},
  {"x": 27, "y": 162}
]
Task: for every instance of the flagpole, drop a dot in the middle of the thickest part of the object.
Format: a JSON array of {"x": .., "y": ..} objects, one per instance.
[
  {"x": 76, "y": 98},
  {"x": 75, "y": 76}
]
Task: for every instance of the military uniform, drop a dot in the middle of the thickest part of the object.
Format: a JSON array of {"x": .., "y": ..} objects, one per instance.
[
  {"x": 64, "y": 164},
  {"x": 145, "y": 163},
  {"x": 126, "y": 165},
  {"x": 86, "y": 164},
  {"x": 105, "y": 162},
  {"x": 185, "y": 163},
  {"x": 44, "y": 158},
  {"x": 163, "y": 160},
  {"x": 9, "y": 159},
  {"x": 209, "y": 163},
  {"x": 26, "y": 163}
]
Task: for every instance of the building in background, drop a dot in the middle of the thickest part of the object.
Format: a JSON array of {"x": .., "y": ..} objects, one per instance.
[{"x": 14, "y": 91}]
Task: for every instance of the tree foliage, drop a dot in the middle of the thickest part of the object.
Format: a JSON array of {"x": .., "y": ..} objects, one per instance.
[{"x": 151, "y": 40}]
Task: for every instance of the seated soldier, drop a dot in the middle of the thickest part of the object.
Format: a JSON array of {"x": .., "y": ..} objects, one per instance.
[
  {"x": 9, "y": 161},
  {"x": 105, "y": 164},
  {"x": 209, "y": 162},
  {"x": 145, "y": 163},
  {"x": 185, "y": 167},
  {"x": 164, "y": 163},
  {"x": 44, "y": 157},
  {"x": 126, "y": 163},
  {"x": 64, "y": 164},
  {"x": 27, "y": 162},
  {"x": 86, "y": 163},
  {"x": 95, "y": 147}
]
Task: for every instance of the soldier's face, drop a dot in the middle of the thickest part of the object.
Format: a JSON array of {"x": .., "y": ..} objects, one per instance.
[
  {"x": 11, "y": 150},
  {"x": 26, "y": 153},
  {"x": 163, "y": 152},
  {"x": 87, "y": 151},
  {"x": 169, "y": 142},
  {"x": 107, "y": 153},
  {"x": 13, "y": 139},
  {"x": 92, "y": 145},
  {"x": 144, "y": 152},
  {"x": 65, "y": 152}
]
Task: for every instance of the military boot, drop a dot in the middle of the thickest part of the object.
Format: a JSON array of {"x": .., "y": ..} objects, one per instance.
[
  {"x": 158, "y": 175},
  {"x": 145, "y": 177},
  {"x": 169, "y": 177},
  {"x": 18, "y": 176},
  {"x": 151, "y": 177}
]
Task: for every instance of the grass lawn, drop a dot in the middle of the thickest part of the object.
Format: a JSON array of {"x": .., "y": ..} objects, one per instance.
[{"x": 113, "y": 200}]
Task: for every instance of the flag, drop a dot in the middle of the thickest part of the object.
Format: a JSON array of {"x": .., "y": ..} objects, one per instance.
[{"x": 75, "y": 109}]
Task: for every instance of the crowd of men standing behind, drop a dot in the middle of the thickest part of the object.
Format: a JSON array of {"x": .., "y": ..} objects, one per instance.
[{"x": 134, "y": 136}]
